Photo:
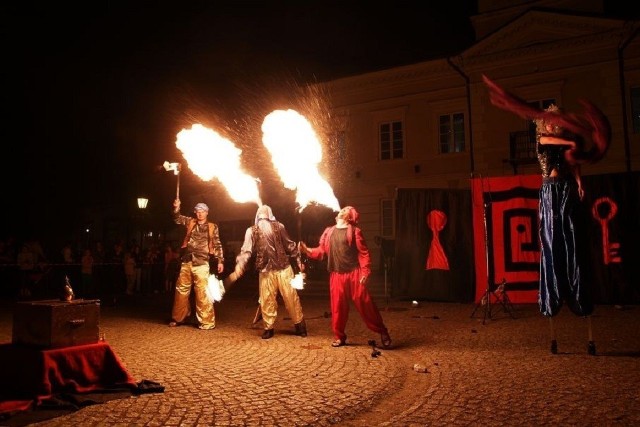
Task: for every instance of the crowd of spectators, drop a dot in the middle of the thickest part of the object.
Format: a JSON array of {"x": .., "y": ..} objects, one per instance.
[{"x": 30, "y": 271}]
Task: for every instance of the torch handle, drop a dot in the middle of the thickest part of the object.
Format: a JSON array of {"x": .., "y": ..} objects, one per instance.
[{"x": 178, "y": 187}]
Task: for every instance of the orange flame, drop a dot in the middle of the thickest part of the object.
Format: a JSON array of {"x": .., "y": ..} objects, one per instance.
[
  {"x": 210, "y": 156},
  {"x": 296, "y": 152}
]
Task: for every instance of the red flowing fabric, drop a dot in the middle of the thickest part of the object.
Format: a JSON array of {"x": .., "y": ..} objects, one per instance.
[
  {"x": 30, "y": 374},
  {"x": 591, "y": 124}
]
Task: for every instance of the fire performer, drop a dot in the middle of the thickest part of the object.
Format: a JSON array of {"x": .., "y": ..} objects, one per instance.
[
  {"x": 349, "y": 265},
  {"x": 560, "y": 140},
  {"x": 274, "y": 251},
  {"x": 201, "y": 241}
]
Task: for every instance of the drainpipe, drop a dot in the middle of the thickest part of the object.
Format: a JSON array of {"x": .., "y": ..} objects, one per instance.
[
  {"x": 467, "y": 85},
  {"x": 623, "y": 95}
]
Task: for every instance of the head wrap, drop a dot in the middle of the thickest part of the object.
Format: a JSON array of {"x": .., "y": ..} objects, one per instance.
[
  {"x": 201, "y": 206},
  {"x": 264, "y": 212},
  {"x": 352, "y": 215}
]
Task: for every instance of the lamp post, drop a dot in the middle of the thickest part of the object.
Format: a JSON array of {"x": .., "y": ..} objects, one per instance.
[{"x": 142, "y": 205}]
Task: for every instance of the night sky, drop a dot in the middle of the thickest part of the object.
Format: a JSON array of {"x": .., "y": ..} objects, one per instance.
[{"x": 94, "y": 95}]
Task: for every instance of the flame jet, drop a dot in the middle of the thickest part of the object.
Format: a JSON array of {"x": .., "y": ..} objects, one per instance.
[
  {"x": 296, "y": 152},
  {"x": 210, "y": 156}
]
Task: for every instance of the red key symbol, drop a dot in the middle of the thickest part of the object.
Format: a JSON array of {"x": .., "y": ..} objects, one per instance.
[{"x": 609, "y": 250}]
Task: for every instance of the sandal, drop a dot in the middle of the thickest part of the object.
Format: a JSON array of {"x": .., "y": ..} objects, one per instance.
[
  {"x": 338, "y": 343},
  {"x": 385, "y": 339}
]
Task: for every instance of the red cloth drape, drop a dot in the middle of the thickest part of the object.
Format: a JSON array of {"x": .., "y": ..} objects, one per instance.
[
  {"x": 437, "y": 259},
  {"x": 512, "y": 252},
  {"x": 30, "y": 374}
]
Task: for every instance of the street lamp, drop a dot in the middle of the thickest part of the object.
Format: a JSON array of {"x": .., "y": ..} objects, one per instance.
[{"x": 142, "y": 205}]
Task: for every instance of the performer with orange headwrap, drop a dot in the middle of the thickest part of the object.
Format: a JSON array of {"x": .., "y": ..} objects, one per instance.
[
  {"x": 349, "y": 265},
  {"x": 560, "y": 145}
]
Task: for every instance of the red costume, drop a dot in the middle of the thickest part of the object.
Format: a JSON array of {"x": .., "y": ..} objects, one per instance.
[{"x": 349, "y": 265}]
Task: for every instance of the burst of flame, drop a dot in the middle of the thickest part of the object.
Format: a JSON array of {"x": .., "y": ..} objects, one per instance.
[
  {"x": 209, "y": 155},
  {"x": 298, "y": 281},
  {"x": 296, "y": 152},
  {"x": 215, "y": 289}
]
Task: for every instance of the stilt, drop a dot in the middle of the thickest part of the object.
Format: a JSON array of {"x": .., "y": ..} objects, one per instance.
[
  {"x": 554, "y": 343},
  {"x": 591, "y": 347},
  {"x": 257, "y": 317}
]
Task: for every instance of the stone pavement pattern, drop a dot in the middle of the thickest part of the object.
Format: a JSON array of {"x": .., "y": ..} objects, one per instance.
[{"x": 500, "y": 373}]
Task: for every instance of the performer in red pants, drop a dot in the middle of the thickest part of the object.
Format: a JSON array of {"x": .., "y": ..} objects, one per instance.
[{"x": 349, "y": 265}]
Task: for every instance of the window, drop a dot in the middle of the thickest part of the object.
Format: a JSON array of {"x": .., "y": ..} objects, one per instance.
[
  {"x": 391, "y": 140},
  {"x": 452, "y": 133},
  {"x": 635, "y": 108},
  {"x": 386, "y": 217}
]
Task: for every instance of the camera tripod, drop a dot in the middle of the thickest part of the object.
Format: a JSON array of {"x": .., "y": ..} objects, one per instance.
[
  {"x": 501, "y": 297},
  {"x": 499, "y": 293}
]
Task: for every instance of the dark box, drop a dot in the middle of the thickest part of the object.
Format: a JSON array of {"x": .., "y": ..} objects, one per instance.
[{"x": 55, "y": 323}]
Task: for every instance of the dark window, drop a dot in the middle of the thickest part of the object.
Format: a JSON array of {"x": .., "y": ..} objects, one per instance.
[
  {"x": 452, "y": 133},
  {"x": 391, "y": 141}
]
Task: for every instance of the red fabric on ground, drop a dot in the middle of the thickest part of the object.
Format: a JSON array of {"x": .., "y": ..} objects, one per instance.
[{"x": 31, "y": 374}]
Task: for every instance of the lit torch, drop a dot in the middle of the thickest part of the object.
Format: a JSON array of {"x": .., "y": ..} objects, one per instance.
[
  {"x": 214, "y": 289},
  {"x": 175, "y": 167}
]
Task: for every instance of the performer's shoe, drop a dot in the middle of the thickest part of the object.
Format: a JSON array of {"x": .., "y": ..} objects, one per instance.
[
  {"x": 173, "y": 324},
  {"x": 591, "y": 348},
  {"x": 338, "y": 343},
  {"x": 268, "y": 333},
  {"x": 206, "y": 328},
  {"x": 301, "y": 329},
  {"x": 385, "y": 339},
  {"x": 554, "y": 347}
]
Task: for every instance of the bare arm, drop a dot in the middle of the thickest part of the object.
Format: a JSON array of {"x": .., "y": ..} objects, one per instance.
[
  {"x": 576, "y": 175},
  {"x": 554, "y": 140},
  {"x": 242, "y": 259}
]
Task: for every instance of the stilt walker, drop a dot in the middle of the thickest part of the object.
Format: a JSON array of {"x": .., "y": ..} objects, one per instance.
[
  {"x": 560, "y": 140},
  {"x": 554, "y": 342},
  {"x": 591, "y": 347}
]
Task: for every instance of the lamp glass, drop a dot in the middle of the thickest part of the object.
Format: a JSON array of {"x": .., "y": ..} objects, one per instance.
[{"x": 142, "y": 202}]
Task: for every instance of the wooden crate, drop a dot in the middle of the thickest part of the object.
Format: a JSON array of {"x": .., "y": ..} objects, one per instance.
[{"x": 55, "y": 323}]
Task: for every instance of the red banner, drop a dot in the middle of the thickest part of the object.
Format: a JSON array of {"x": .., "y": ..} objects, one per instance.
[{"x": 506, "y": 241}]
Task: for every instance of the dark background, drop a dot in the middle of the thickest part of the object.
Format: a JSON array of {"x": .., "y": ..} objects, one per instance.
[{"x": 94, "y": 93}]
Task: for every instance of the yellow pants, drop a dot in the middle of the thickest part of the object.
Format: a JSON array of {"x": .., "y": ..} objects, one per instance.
[
  {"x": 272, "y": 282},
  {"x": 198, "y": 277}
]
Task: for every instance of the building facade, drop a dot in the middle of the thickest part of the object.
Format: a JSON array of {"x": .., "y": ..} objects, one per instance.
[{"x": 431, "y": 125}]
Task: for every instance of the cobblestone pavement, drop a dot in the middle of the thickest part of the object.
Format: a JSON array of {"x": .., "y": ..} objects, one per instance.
[{"x": 500, "y": 373}]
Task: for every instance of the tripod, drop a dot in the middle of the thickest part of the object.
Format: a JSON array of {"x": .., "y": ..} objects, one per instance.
[
  {"x": 501, "y": 297},
  {"x": 499, "y": 292}
]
